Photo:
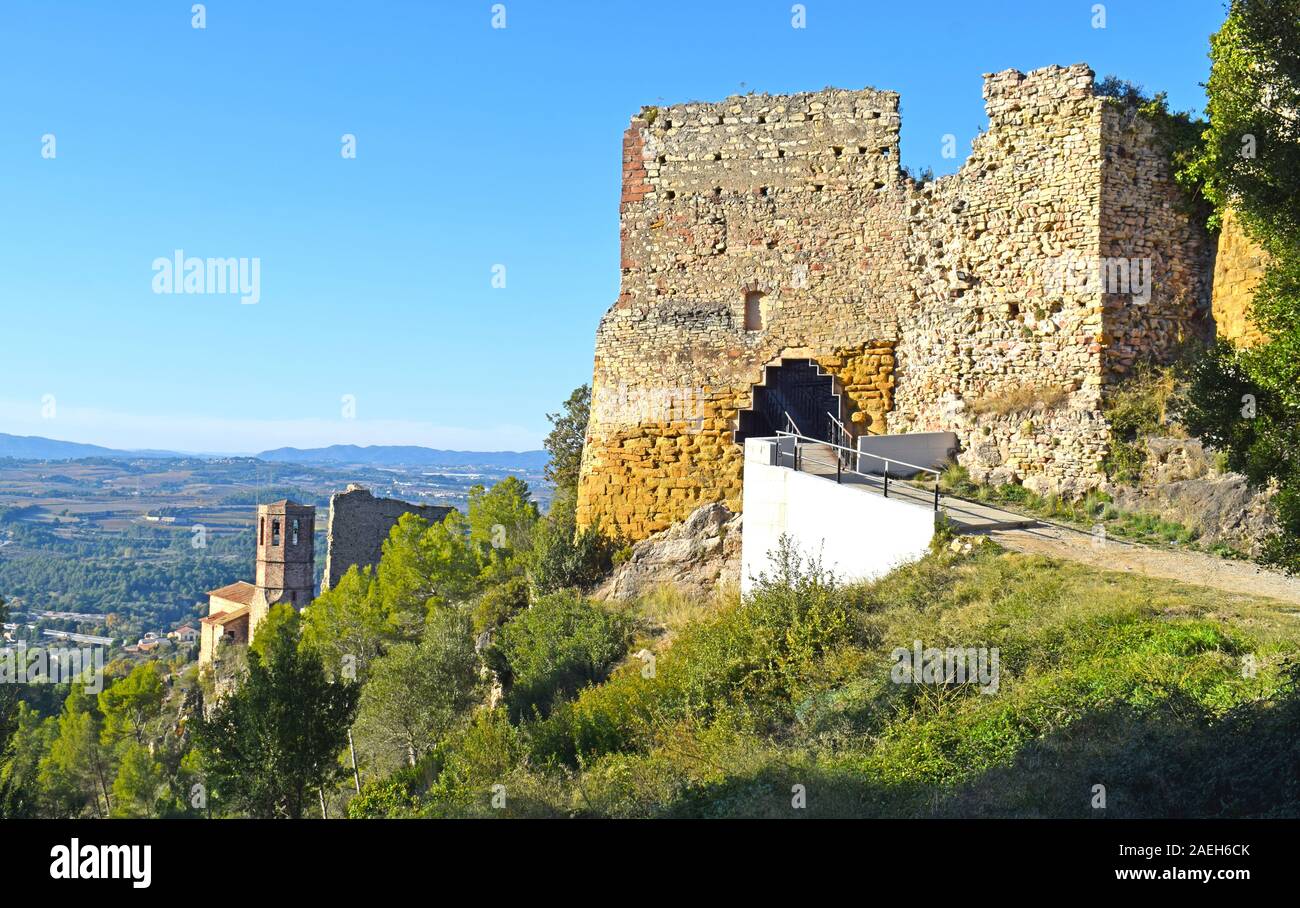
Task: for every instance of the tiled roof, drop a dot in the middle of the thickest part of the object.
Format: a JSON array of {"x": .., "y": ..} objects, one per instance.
[
  {"x": 240, "y": 591},
  {"x": 225, "y": 617}
]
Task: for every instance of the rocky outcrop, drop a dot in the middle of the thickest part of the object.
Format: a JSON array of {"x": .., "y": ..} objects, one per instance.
[
  {"x": 696, "y": 556},
  {"x": 1181, "y": 484}
]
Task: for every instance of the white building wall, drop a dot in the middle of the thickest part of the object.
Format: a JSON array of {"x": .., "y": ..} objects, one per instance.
[{"x": 860, "y": 535}]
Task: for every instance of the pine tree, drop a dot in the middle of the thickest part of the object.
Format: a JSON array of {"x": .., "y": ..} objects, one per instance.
[{"x": 275, "y": 741}]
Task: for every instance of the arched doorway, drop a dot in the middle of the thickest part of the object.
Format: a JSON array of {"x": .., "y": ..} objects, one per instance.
[{"x": 797, "y": 389}]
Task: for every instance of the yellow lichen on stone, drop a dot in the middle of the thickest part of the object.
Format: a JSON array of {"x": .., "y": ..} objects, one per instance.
[{"x": 1238, "y": 267}]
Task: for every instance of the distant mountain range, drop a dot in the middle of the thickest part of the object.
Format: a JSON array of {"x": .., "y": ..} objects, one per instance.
[
  {"x": 406, "y": 456},
  {"x": 33, "y": 447}
]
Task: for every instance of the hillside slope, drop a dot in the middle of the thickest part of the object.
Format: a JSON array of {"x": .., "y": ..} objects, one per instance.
[
  {"x": 1178, "y": 700},
  {"x": 34, "y": 447}
]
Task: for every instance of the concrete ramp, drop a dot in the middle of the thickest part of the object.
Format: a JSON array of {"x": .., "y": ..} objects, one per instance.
[
  {"x": 862, "y": 525},
  {"x": 856, "y": 534}
]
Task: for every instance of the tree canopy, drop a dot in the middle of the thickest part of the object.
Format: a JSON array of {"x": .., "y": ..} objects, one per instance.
[
  {"x": 275, "y": 740},
  {"x": 565, "y": 441}
]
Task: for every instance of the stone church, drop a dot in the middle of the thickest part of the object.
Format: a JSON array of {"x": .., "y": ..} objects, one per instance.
[
  {"x": 285, "y": 572},
  {"x": 780, "y": 269},
  {"x": 286, "y": 559}
]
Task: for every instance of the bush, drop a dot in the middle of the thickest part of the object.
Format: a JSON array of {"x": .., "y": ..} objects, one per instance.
[
  {"x": 1137, "y": 409},
  {"x": 750, "y": 662},
  {"x": 500, "y": 603},
  {"x": 1257, "y": 430},
  {"x": 456, "y": 779},
  {"x": 567, "y": 558},
  {"x": 396, "y": 795},
  {"x": 486, "y": 774},
  {"x": 552, "y": 650}
]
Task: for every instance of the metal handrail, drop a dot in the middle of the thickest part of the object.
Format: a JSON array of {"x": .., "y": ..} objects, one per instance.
[
  {"x": 842, "y": 435},
  {"x": 789, "y": 421},
  {"x": 799, "y": 460},
  {"x": 887, "y": 460}
]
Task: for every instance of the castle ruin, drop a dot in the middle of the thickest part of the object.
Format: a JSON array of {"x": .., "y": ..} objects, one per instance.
[
  {"x": 774, "y": 242},
  {"x": 358, "y": 525}
]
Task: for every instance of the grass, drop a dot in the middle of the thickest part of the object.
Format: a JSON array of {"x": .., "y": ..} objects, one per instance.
[
  {"x": 1137, "y": 409},
  {"x": 1095, "y": 508},
  {"x": 666, "y": 609},
  {"x": 1181, "y": 700},
  {"x": 1018, "y": 400}
]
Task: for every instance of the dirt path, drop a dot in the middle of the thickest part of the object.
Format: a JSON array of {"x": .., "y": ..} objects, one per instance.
[{"x": 1115, "y": 555}]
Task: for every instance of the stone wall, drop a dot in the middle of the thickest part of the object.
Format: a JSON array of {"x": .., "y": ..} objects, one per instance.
[
  {"x": 358, "y": 525},
  {"x": 936, "y": 306},
  {"x": 1147, "y": 221},
  {"x": 1238, "y": 268}
]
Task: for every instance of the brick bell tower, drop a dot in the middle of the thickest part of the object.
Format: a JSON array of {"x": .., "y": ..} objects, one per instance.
[{"x": 286, "y": 557}]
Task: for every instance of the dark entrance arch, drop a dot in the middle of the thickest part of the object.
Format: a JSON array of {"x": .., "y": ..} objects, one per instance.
[{"x": 796, "y": 387}]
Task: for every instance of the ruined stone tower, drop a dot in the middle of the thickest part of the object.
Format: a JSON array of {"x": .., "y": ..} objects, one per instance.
[
  {"x": 774, "y": 241},
  {"x": 358, "y": 525}
]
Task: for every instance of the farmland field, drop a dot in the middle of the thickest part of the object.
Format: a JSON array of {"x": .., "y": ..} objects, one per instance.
[{"x": 133, "y": 545}]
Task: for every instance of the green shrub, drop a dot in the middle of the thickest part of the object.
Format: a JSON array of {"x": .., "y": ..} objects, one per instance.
[
  {"x": 564, "y": 557},
  {"x": 1012, "y": 493},
  {"x": 499, "y": 603},
  {"x": 393, "y": 796},
  {"x": 747, "y": 664},
  {"x": 1139, "y": 408},
  {"x": 956, "y": 479},
  {"x": 552, "y": 650},
  {"x": 1258, "y": 430}
]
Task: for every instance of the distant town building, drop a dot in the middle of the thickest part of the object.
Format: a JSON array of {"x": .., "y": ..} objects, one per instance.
[
  {"x": 185, "y": 635},
  {"x": 78, "y": 638}
]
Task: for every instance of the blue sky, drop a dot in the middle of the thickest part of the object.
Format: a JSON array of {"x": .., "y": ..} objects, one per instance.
[{"x": 476, "y": 147}]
